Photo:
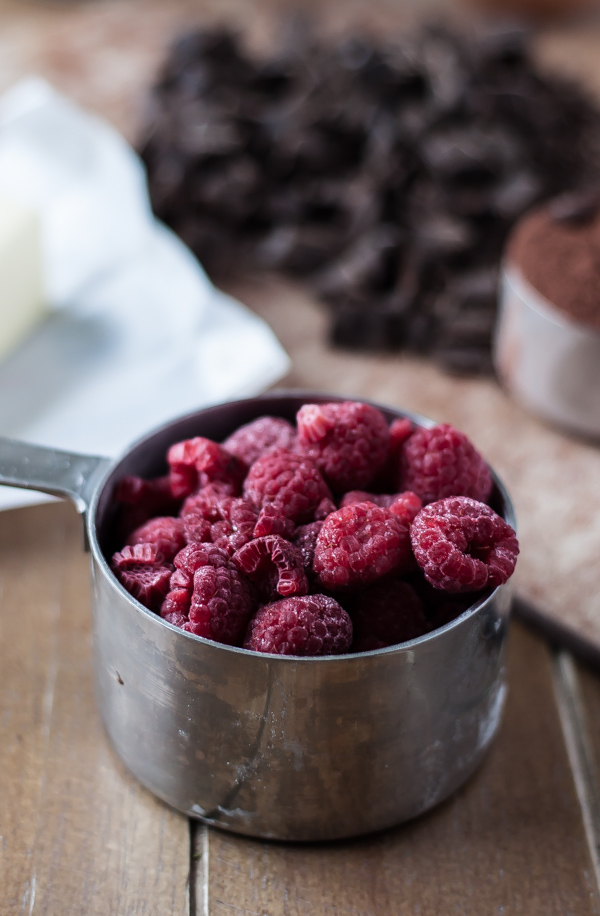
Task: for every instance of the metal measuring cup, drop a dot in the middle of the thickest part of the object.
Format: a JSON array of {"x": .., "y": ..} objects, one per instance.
[{"x": 276, "y": 747}]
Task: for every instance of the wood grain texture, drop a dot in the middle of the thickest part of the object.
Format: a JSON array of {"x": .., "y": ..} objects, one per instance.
[
  {"x": 79, "y": 835},
  {"x": 510, "y": 842}
]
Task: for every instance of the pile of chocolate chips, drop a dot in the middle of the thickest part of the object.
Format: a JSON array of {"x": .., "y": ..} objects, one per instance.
[{"x": 386, "y": 175}]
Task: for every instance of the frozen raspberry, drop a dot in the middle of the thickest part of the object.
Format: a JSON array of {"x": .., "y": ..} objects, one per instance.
[
  {"x": 361, "y": 496},
  {"x": 206, "y": 503},
  {"x": 221, "y": 606},
  {"x": 440, "y": 462},
  {"x": 386, "y": 478},
  {"x": 274, "y": 565},
  {"x": 142, "y": 570},
  {"x": 192, "y": 558},
  {"x": 210, "y": 515},
  {"x": 305, "y": 540},
  {"x": 325, "y": 508},
  {"x": 178, "y": 620},
  {"x": 349, "y": 442},
  {"x": 154, "y": 495},
  {"x": 404, "y": 505},
  {"x": 360, "y": 544},
  {"x": 196, "y": 529},
  {"x": 141, "y": 500},
  {"x": 272, "y": 520},
  {"x": 386, "y": 614},
  {"x": 165, "y": 532},
  {"x": 462, "y": 545},
  {"x": 176, "y": 604},
  {"x": 196, "y": 462},
  {"x": 312, "y": 625},
  {"x": 290, "y": 483},
  {"x": 237, "y": 529},
  {"x": 400, "y": 430},
  {"x": 251, "y": 441}
]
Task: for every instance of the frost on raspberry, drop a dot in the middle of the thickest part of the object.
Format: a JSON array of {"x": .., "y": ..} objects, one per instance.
[
  {"x": 253, "y": 439},
  {"x": 285, "y": 485},
  {"x": 360, "y": 544},
  {"x": 305, "y": 626},
  {"x": 211, "y": 515},
  {"x": 176, "y": 605},
  {"x": 440, "y": 462},
  {"x": 197, "y": 462},
  {"x": 165, "y": 532},
  {"x": 274, "y": 565},
  {"x": 462, "y": 545},
  {"x": 349, "y": 442},
  {"x": 305, "y": 540},
  {"x": 192, "y": 558},
  {"x": 386, "y": 614},
  {"x": 143, "y": 571},
  {"x": 221, "y": 606},
  {"x": 405, "y": 505}
]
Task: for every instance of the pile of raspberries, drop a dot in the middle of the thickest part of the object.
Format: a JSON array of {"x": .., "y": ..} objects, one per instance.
[{"x": 338, "y": 534}]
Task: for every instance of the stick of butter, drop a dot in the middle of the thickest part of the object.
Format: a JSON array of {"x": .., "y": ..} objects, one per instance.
[{"x": 21, "y": 294}]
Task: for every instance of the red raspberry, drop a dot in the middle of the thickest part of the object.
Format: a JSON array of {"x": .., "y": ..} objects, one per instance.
[
  {"x": 178, "y": 620},
  {"x": 349, "y": 442},
  {"x": 305, "y": 540},
  {"x": 153, "y": 495},
  {"x": 272, "y": 520},
  {"x": 440, "y": 462},
  {"x": 142, "y": 570},
  {"x": 360, "y": 544},
  {"x": 325, "y": 508},
  {"x": 290, "y": 483},
  {"x": 176, "y": 604},
  {"x": 221, "y": 606},
  {"x": 141, "y": 500},
  {"x": 164, "y": 532},
  {"x": 192, "y": 558},
  {"x": 274, "y": 564},
  {"x": 404, "y": 505},
  {"x": 400, "y": 430},
  {"x": 251, "y": 441},
  {"x": 196, "y": 529},
  {"x": 313, "y": 625},
  {"x": 462, "y": 545},
  {"x": 197, "y": 462},
  {"x": 386, "y": 614},
  {"x": 212, "y": 516}
]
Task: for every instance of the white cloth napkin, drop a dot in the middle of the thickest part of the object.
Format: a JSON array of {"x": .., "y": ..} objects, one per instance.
[{"x": 137, "y": 334}]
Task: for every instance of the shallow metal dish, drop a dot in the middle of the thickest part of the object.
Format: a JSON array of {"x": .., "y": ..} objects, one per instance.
[{"x": 277, "y": 747}]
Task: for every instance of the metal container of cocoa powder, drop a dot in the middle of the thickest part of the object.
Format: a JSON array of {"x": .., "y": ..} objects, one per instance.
[{"x": 547, "y": 340}]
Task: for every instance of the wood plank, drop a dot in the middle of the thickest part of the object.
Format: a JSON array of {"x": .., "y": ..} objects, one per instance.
[
  {"x": 510, "y": 842},
  {"x": 29, "y": 610},
  {"x": 83, "y": 836}
]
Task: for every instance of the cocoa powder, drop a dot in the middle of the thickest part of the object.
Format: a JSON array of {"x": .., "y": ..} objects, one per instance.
[{"x": 560, "y": 257}]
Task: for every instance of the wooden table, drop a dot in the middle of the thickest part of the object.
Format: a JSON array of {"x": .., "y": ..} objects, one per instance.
[{"x": 78, "y": 835}]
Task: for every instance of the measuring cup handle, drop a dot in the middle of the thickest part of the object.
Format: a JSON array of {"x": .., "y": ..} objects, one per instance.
[{"x": 49, "y": 470}]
